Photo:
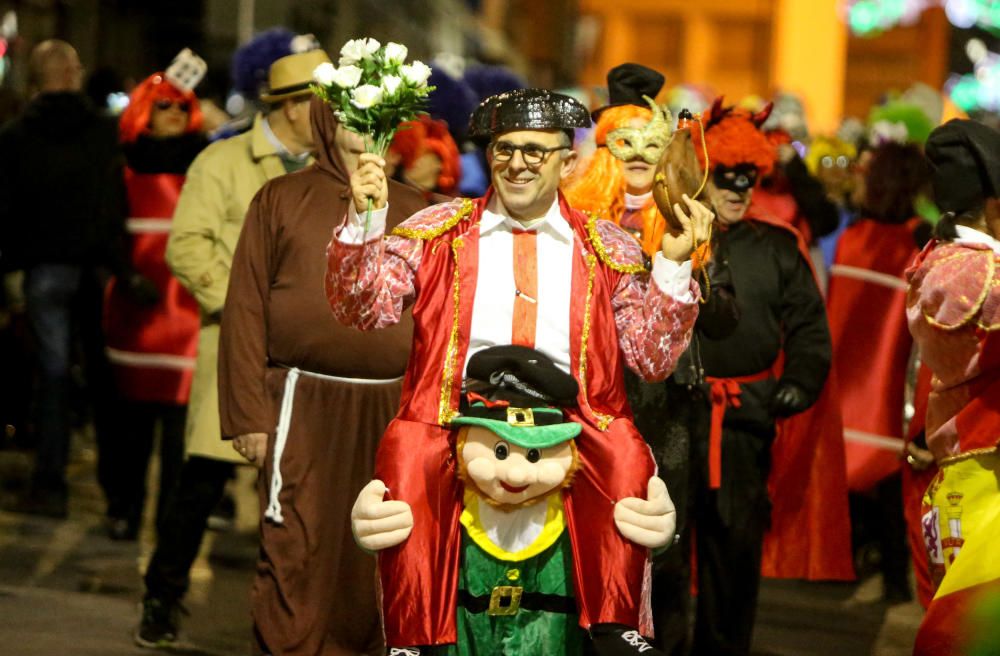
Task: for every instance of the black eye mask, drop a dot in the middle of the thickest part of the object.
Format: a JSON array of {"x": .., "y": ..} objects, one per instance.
[{"x": 742, "y": 178}]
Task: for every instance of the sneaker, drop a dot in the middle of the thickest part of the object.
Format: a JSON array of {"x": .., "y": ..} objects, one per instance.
[
  {"x": 620, "y": 640},
  {"x": 223, "y": 516},
  {"x": 403, "y": 651},
  {"x": 159, "y": 624}
]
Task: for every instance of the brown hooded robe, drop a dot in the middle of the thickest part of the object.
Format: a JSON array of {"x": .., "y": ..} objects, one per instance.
[{"x": 314, "y": 592}]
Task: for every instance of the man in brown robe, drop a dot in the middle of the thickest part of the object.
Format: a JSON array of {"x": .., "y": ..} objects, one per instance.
[{"x": 308, "y": 399}]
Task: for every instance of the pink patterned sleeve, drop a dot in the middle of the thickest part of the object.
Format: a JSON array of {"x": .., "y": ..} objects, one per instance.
[
  {"x": 653, "y": 327},
  {"x": 369, "y": 286}
]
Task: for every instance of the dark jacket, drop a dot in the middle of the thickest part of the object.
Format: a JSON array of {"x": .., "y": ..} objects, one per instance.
[{"x": 62, "y": 197}]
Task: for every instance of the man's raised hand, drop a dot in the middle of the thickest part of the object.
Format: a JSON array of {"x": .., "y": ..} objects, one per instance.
[
  {"x": 696, "y": 228},
  {"x": 369, "y": 181}
]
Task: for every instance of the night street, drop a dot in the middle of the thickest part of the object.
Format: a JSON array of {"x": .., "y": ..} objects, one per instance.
[{"x": 71, "y": 571}]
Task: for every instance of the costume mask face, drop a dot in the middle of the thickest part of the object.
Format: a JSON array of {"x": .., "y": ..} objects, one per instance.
[
  {"x": 737, "y": 178},
  {"x": 646, "y": 142},
  {"x": 508, "y": 475}
]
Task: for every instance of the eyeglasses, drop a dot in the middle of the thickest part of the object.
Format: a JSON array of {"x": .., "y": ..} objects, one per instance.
[
  {"x": 165, "y": 104},
  {"x": 533, "y": 154}
]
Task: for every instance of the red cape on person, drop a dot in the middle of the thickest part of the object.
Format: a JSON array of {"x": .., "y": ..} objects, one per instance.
[
  {"x": 810, "y": 534},
  {"x": 866, "y": 307}
]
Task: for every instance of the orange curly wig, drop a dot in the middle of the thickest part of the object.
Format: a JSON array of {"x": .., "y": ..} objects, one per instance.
[
  {"x": 414, "y": 138},
  {"x": 733, "y": 137},
  {"x": 134, "y": 121},
  {"x": 600, "y": 187}
]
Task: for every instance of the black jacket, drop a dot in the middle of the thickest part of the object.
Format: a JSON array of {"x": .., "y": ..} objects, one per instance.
[
  {"x": 62, "y": 197},
  {"x": 781, "y": 310}
]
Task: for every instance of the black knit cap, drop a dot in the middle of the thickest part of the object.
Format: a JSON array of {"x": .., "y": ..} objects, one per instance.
[
  {"x": 527, "y": 109},
  {"x": 628, "y": 83},
  {"x": 965, "y": 157}
]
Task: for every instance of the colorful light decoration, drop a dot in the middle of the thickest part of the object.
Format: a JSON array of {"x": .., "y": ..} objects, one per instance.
[
  {"x": 871, "y": 17},
  {"x": 979, "y": 90}
]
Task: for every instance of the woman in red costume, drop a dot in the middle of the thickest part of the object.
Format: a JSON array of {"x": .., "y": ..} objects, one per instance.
[
  {"x": 152, "y": 334},
  {"x": 618, "y": 186}
]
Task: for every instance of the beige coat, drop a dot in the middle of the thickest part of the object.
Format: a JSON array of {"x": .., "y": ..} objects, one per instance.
[{"x": 220, "y": 184}]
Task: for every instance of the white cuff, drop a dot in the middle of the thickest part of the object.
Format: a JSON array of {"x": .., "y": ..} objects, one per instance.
[
  {"x": 673, "y": 279},
  {"x": 353, "y": 231}
]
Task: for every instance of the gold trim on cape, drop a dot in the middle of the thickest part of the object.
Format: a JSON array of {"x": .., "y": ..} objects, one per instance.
[
  {"x": 425, "y": 234},
  {"x": 595, "y": 240},
  {"x": 603, "y": 421},
  {"x": 445, "y": 412}
]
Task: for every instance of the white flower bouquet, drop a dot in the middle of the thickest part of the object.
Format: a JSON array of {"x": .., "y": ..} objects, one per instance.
[{"x": 373, "y": 90}]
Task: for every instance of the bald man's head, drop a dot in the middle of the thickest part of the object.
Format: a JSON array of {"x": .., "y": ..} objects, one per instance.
[{"x": 55, "y": 66}]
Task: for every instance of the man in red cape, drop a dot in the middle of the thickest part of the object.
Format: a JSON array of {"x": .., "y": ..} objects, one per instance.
[{"x": 520, "y": 266}]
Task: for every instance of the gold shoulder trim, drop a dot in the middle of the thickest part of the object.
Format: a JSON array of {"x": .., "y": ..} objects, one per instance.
[
  {"x": 602, "y": 253},
  {"x": 437, "y": 230}
]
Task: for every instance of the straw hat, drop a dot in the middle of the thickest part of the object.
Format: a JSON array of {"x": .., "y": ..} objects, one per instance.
[{"x": 291, "y": 75}]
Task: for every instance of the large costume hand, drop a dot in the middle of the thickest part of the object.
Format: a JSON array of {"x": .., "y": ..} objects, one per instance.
[
  {"x": 648, "y": 522},
  {"x": 696, "y": 228},
  {"x": 378, "y": 524}
]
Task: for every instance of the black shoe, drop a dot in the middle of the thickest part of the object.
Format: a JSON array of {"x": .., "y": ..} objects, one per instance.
[
  {"x": 620, "y": 640},
  {"x": 159, "y": 624}
]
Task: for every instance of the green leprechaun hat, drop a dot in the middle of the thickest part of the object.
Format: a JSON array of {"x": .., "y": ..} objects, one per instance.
[{"x": 513, "y": 391}]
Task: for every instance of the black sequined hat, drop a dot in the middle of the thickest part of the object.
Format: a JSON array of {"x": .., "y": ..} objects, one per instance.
[
  {"x": 527, "y": 109},
  {"x": 628, "y": 83}
]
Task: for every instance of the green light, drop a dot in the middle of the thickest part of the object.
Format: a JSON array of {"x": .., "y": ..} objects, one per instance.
[
  {"x": 864, "y": 17},
  {"x": 965, "y": 93}
]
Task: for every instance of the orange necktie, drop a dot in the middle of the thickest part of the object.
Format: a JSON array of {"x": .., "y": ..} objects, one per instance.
[{"x": 526, "y": 288}]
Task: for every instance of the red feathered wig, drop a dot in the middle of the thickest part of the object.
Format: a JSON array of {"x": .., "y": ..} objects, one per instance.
[
  {"x": 134, "y": 120},
  {"x": 733, "y": 137},
  {"x": 414, "y": 138}
]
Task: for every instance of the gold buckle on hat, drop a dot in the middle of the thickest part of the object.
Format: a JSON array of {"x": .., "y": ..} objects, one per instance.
[
  {"x": 505, "y": 600},
  {"x": 520, "y": 417}
]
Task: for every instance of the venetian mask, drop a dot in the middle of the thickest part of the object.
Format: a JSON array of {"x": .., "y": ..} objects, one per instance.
[{"x": 646, "y": 143}]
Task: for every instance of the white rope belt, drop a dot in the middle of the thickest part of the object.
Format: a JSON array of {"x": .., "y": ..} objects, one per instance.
[{"x": 273, "y": 511}]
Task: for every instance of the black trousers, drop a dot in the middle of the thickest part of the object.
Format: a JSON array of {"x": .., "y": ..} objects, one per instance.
[
  {"x": 129, "y": 455},
  {"x": 724, "y": 527},
  {"x": 199, "y": 488}
]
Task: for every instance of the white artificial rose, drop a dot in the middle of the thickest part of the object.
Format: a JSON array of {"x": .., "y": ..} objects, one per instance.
[
  {"x": 347, "y": 77},
  {"x": 357, "y": 49},
  {"x": 390, "y": 83},
  {"x": 416, "y": 74},
  {"x": 365, "y": 96},
  {"x": 395, "y": 53},
  {"x": 325, "y": 73}
]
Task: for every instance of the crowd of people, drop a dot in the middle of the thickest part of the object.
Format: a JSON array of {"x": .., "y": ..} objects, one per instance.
[{"x": 457, "y": 354}]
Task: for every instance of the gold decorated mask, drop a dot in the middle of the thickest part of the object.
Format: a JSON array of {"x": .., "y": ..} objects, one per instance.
[{"x": 647, "y": 142}]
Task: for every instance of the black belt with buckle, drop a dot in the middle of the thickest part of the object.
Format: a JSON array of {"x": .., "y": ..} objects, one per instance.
[{"x": 500, "y": 604}]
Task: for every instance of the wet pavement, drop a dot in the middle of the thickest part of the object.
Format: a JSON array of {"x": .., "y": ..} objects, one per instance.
[{"x": 66, "y": 588}]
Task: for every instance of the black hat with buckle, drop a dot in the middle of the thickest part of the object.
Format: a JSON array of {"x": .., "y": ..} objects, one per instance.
[{"x": 517, "y": 392}]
